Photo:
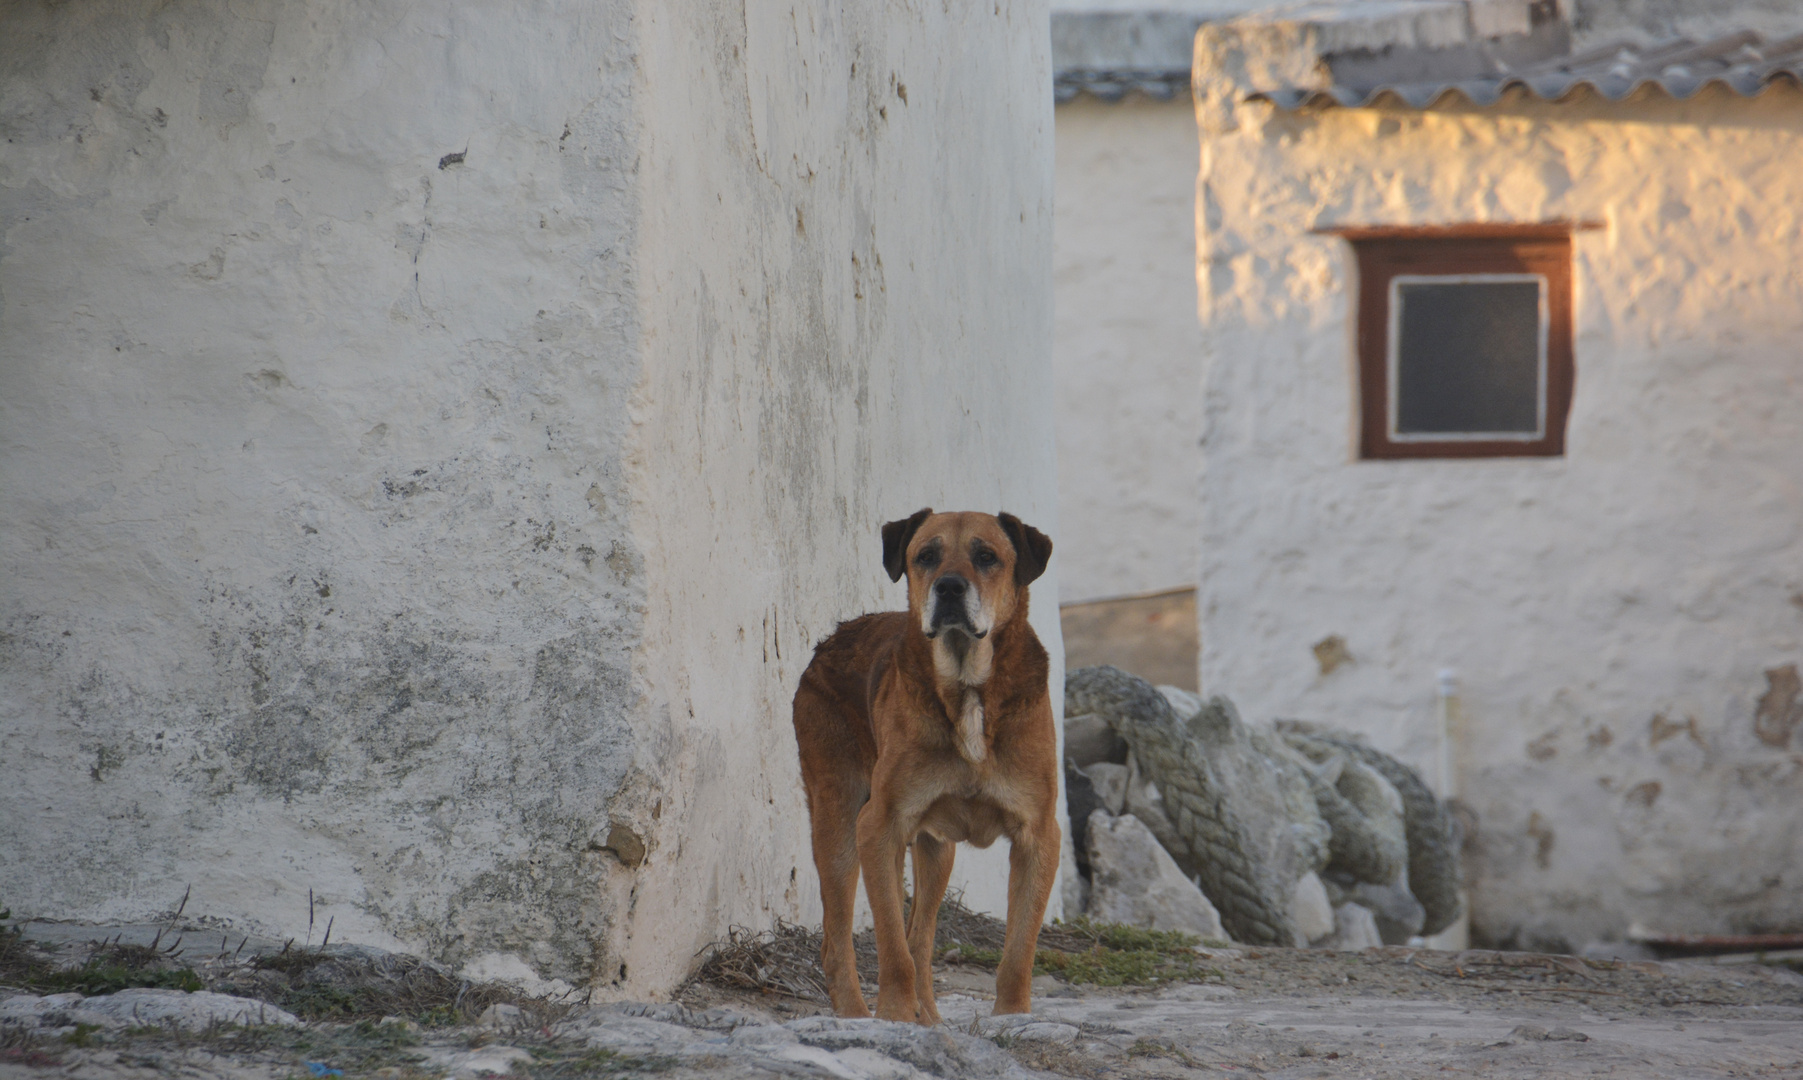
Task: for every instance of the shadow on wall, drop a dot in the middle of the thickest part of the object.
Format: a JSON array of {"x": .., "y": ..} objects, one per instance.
[{"x": 1153, "y": 636}]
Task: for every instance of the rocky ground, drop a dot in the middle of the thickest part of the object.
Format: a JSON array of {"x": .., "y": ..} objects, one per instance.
[{"x": 1177, "y": 1011}]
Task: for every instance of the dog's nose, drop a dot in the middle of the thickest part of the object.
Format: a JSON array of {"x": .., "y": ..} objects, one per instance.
[{"x": 950, "y": 587}]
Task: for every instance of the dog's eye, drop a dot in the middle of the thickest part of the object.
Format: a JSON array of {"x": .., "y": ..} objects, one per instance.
[
  {"x": 985, "y": 560},
  {"x": 927, "y": 559}
]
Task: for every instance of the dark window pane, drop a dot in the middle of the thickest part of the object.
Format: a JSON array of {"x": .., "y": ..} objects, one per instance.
[{"x": 1468, "y": 357}]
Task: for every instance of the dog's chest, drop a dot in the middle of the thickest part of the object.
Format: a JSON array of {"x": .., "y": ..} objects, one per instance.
[{"x": 967, "y": 669}]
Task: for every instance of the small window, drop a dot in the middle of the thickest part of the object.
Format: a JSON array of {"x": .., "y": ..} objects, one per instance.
[{"x": 1464, "y": 340}]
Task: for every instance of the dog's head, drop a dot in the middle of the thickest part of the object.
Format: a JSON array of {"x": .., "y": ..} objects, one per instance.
[{"x": 966, "y": 572}]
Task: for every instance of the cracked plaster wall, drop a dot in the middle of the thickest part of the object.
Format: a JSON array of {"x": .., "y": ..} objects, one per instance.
[
  {"x": 1611, "y": 614},
  {"x": 422, "y": 428}
]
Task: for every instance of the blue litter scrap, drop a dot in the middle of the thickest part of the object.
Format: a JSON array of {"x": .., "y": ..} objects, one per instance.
[{"x": 319, "y": 1068}]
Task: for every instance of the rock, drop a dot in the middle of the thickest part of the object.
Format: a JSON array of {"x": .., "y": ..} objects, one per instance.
[
  {"x": 630, "y": 1036},
  {"x": 1089, "y": 739},
  {"x": 400, "y": 1022},
  {"x": 494, "y": 1060},
  {"x": 1076, "y": 890},
  {"x": 1293, "y": 778},
  {"x": 1310, "y": 911},
  {"x": 935, "y": 1051},
  {"x": 1248, "y": 821},
  {"x": 141, "y": 1008},
  {"x": 1024, "y": 1027},
  {"x": 1617, "y": 950},
  {"x": 1135, "y": 881},
  {"x": 1110, "y": 783},
  {"x": 1535, "y": 1033},
  {"x": 1367, "y": 789},
  {"x": 1210, "y": 952},
  {"x": 1145, "y": 802},
  {"x": 1080, "y": 801},
  {"x": 192, "y": 1011},
  {"x": 626, "y": 845},
  {"x": 1184, "y": 703},
  {"x": 1434, "y": 834},
  {"x": 1399, "y": 915},
  {"x": 53, "y": 1012},
  {"x": 1354, "y": 928},
  {"x": 1363, "y": 810},
  {"x": 503, "y": 1017},
  {"x": 729, "y": 1042}
]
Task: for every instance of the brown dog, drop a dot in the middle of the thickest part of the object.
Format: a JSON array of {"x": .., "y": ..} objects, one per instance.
[{"x": 924, "y": 728}]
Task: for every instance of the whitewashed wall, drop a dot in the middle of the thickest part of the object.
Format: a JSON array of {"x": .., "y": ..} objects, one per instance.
[
  {"x": 1128, "y": 347},
  {"x": 1610, "y": 613},
  {"x": 424, "y": 531},
  {"x": 882, "y": 348}
]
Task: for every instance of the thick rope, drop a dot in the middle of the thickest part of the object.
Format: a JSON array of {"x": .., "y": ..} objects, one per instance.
[
  {"x": 1232, "y": 860},
  {"x": 1433, "y": 834}
]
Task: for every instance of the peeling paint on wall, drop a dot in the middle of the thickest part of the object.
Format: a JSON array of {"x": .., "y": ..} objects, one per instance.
[{"x": 1778, "y": 710}]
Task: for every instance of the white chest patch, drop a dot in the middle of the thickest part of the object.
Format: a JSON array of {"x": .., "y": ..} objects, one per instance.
[{"x": 970, "y": 728}]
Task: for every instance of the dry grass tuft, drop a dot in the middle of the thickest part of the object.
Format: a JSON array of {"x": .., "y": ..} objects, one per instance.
[
  {"x": 785, "y": 960},
  {"x": 349, "y": 986}
]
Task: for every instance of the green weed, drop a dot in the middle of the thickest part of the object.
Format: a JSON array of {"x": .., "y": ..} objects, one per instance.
[{"x": 1118, "y": 955}]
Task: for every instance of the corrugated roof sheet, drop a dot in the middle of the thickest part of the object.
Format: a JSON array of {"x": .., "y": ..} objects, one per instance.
[
  {"x": 1114, "y": 85},
  {"x": 1743, "y": 62}
]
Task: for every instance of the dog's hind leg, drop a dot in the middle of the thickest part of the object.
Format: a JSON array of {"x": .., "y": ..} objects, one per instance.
[
  {"x": 836, "y": 860},
  {"x": 932, "y": 872}
]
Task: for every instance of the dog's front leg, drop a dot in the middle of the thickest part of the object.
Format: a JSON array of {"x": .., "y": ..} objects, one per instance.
[
  {"x": 1032, "y": 864},
  {"x": 932, "y": 871},
  {"x": 882, "y": 839}
]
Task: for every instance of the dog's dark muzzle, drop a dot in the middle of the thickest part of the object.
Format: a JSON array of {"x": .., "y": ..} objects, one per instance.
[{"x": 951, "y": 606}]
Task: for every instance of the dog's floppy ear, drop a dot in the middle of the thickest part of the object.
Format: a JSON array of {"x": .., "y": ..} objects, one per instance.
[
  {"x": 896, "y": 535},
  {"x": 1032, "y": 548}
]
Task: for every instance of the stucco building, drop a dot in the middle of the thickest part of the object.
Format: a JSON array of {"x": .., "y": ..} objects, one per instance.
[
  {"x": 1499, "y": 446},
  {"x": 1127, "y": 347},
  {"x": 432, "y": 440}
]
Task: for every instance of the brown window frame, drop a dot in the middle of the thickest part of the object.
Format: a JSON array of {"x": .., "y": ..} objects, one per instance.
[{"x": 1385, "y": 253}]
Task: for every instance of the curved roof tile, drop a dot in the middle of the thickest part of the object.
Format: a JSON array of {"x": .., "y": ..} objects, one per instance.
[{"x": 1681, "y": 67}]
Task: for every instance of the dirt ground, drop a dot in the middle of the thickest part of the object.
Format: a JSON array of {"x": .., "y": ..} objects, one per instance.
[
  {"x": 1181, "y": 1011},
  {"x": 1398, "y": 1012}
]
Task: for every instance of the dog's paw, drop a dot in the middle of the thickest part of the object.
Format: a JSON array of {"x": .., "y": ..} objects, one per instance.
[{"x": 906, "y": 1012}]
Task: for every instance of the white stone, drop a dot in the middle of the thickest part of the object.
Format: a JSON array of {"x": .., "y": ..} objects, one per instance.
[
  {"x": 633, "y": 1036},
  {"x": 179, "y": 1008},
  {"x": 1399, "y": 915},
  {"x": 1183, "y": 702},
  {"x": 1216, "y": 953},
  {"x": 934, "y": 1051},
  {"x": 1310, "y": 909},
  {"x": 502, "y": 1017},
  {"x": 1089, "y": 739},
  {"x": 1025, "y": 1027},
  {"x": 1145, "y": 802},
  {"x": 50, "y": 1011},
  {"x": 1135, "y": 881},
  {"x": 1354, "y": 928},
  {"x": 484, "y": 1061},
  {"x": 1110, "y": 782}
]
